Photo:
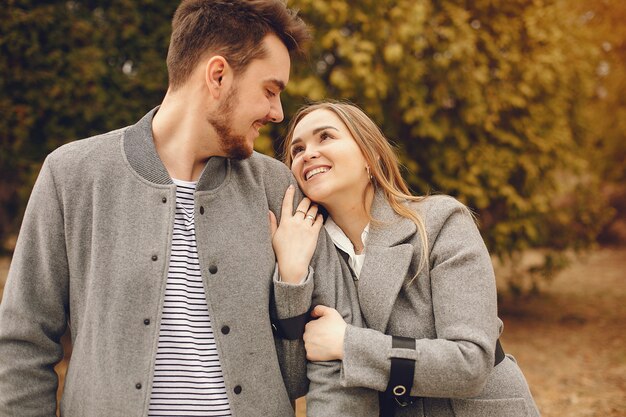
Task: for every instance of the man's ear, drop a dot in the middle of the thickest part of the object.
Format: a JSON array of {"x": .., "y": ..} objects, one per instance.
[{"x": 216, "y": 72}]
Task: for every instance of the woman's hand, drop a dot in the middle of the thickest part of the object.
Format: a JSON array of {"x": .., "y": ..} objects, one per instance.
[
  {"x": 294, "y": 240},
  {"x": 323, "y": 338}
]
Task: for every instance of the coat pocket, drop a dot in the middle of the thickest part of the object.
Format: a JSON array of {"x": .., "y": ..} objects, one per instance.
[{"x": 506, "y": 407}]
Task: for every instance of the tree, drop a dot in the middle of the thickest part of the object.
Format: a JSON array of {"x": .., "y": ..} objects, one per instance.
[
  {"x": 483, "y": 98},
  {"x": 505, "y": 104},
  {"x": 605, "y": 114},
  {"x": 70, "y": 70}
]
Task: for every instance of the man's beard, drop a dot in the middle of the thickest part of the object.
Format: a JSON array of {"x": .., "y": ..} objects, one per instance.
[{"x": 233, "y": 145}]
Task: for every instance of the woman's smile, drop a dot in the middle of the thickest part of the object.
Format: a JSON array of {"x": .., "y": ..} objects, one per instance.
[{"x": 313, "y": 171}]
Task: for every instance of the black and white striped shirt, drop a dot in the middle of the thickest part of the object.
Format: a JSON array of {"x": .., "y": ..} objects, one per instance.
[{"x": 188, "y": 379}]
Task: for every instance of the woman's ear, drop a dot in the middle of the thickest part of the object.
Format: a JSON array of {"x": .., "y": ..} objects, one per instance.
[{"x": 216, "y": 70}]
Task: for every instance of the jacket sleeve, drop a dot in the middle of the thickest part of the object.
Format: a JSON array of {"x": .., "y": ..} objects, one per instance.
[
  {"x": 293, "y": 300},
  {"x": 33, "y": 312},
  {"x": 456, "y": 363},
  {"x": 326, "y": 396},
  {"x": 289, "y": 300}
]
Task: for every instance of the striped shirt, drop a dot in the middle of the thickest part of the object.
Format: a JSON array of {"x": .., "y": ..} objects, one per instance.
[{"x": 188, "y": 378}]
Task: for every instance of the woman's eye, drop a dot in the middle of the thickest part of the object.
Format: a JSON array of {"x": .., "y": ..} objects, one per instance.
[
  {"x": 324, "y": 136},
  {"x": 270, "y": 93},
  {"x": 296, "y": 150}
]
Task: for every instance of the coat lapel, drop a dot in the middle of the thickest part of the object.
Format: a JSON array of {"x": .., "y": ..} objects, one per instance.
[{"x": 387, "y": 261}]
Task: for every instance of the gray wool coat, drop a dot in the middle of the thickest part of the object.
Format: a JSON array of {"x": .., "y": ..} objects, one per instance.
[
  {"x": 93, "y": 254},
  {"x": 449, "y": 308}
]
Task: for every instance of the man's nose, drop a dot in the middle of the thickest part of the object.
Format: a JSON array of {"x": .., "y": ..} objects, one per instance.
[{"x": 276, "y": 112}]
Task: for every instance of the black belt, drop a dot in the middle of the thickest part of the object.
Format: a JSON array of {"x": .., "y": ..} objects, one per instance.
[
  {"x": 401, "y": 377},
  {"x": 291, "y": 328}
]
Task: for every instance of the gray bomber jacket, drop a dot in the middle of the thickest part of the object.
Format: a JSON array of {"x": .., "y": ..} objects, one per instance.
[{"x": 93, "y": 254}]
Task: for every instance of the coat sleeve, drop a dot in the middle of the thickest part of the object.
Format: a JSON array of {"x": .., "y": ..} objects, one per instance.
[
  {"x": 458, "y": 361},
  {"x": 326, "y": 396},
  {"x": 288, "y": 300},
  {"x": 324, "y": 285},
  {"x": 33, "y": 312}
]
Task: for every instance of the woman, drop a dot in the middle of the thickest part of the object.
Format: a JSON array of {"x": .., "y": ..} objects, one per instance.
[{"x": 422, "y": 273}]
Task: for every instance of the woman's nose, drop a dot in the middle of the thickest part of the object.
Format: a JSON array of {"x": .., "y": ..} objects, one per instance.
[{"x": 310, "y": 153}]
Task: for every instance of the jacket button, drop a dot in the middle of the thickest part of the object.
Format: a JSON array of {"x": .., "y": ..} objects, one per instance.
[
  {"x": 146, "y": 321},
  {"x": 154, "y": 257},
  {"x": 237, "y": 389},
  {"x": 213, "y": 269},
  {"x": 164, "y": 200},
  {"x": 225, "y": 329},
  {"x": 201, "y": 209},
  {"x": 138, "y": 385}
]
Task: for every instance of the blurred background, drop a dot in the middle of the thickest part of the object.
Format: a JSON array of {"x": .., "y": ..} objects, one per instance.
[{"x": 515, "y": 107}]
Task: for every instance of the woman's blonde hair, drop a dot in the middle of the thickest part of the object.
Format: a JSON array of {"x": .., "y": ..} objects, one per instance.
[{"x": 380, "y": 157}]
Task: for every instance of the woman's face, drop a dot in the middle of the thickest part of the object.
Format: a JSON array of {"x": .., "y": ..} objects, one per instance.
[{"x": 327, "y": 162}]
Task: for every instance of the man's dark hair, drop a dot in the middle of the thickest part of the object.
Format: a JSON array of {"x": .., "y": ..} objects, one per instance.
[{"x": 233, "y": 29}]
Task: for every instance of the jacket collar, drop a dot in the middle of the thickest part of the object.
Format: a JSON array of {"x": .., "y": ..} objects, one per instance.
[
  {"x": 144, "y": 159},
  {"x": 388, "y": 228},
  {"x": 387, "y": 261}
]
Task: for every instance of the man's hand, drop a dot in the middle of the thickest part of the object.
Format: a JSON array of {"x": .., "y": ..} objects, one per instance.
[{"x": 323, "y": 338}]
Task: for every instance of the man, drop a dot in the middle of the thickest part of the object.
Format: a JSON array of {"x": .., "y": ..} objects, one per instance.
[{"x": 153, "y": 243}]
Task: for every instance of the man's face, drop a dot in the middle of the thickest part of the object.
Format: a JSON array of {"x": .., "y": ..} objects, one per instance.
[{"x": 252, "y": 101}]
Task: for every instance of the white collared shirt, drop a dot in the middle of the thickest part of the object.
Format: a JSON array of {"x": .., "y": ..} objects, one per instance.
[{"x": 342, "y": 241}]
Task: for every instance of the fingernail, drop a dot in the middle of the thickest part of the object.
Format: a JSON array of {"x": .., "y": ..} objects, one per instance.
[{"x": 291, "y": 186}]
